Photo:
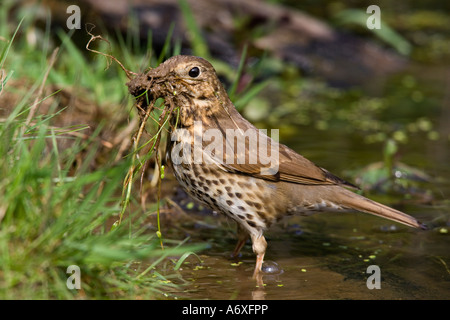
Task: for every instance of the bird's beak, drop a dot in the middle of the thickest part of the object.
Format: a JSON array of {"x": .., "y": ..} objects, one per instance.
[{"x": 145, "y": 85}]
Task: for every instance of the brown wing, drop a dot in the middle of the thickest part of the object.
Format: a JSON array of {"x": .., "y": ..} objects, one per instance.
[
  {"x": 292, "y": 167},
  {"x": 289, "y": 165},
  {"x": 295, "y": 168}
]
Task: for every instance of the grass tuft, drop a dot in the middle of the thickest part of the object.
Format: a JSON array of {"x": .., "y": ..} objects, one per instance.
[{"x": 56, "y": 210}]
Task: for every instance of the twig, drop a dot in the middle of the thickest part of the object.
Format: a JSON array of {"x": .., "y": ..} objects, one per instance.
[
  {"x": 129, "y": 178},
  {"x": 124, "y": 138},
  {"x": 89, "y": 28}
]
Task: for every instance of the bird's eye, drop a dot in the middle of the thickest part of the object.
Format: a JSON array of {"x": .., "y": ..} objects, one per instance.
[{"x": 194, "y": 72}]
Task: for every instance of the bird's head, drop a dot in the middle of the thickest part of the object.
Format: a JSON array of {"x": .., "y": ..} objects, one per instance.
[{"x": 186, "y": 76}]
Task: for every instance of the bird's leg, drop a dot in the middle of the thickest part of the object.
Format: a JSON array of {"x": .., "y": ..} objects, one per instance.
[
  {"x": 242, "y": 238},
  {"x": 259, "y": 248}
]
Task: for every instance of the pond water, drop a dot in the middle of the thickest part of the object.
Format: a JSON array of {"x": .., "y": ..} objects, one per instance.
[
  {"x": 325, "y": 256},
  {"x": 329, "y": 260}
]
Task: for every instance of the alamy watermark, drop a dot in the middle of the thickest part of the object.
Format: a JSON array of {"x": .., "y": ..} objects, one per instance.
[
  {"x": 74, "y": 280},
  {"x": 74, "y": 20},
  {"x": 374, "y": 280},
  {"x": 209, "y": 146},
  {"x": 374, "y": 21}
]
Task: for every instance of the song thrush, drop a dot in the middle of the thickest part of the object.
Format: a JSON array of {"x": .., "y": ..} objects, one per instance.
[{"x": 242, "y": 185}]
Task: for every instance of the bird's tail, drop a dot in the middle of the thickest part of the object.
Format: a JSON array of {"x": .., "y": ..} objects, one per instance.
[{"x": 354, "y": 201}]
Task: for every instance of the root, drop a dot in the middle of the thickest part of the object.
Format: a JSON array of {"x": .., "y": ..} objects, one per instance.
[{"x": 89, "y": 28}]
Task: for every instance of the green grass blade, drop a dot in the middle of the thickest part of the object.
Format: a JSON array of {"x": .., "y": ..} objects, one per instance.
[
  {"x": 198, "y": 43},
  {"x": 232, "y": 91}
]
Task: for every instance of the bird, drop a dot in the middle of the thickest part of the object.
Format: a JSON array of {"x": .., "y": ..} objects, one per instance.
[{"x": 213, "y": 155}]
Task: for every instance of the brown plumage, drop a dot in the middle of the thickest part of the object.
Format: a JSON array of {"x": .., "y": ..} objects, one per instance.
[{"x": 253, "y": 193}]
